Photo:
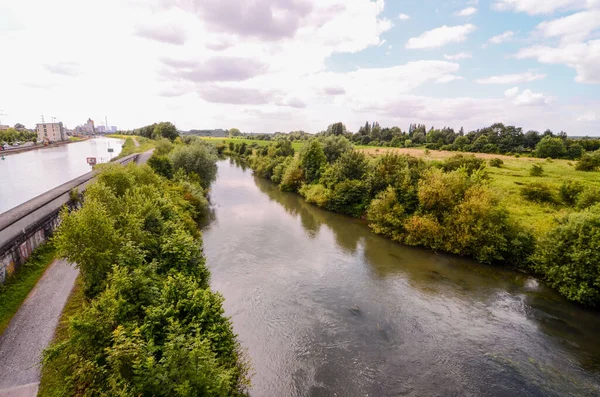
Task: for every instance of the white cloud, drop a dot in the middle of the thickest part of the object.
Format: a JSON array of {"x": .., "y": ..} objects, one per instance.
[
  {"x": 501, "y": 38},
  {"x": 583, "y": 57},
  {"x": 466, "y": 12},
  {"x": 537, "y": 7},
  {"x": 441, "y": 36},
  {"x": 458, "y": 56},
  {"x": 403, "y": 17},
  {"x": 511, "y": 92},
  {"x": 511, "y": 78},
  {"x": 572, "y": 28},
  {"x": 530, "y": 98},
  {"x": 589, "y": 116}
]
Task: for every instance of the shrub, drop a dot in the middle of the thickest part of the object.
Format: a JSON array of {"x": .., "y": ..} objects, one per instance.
[
  {"x": 198, "y": 159},
  {"x": 496, "y": 162},
  {"x": 349, "y": 197},
  {"x": 334, "y": 146},
  {"x": 423, "y": 230},
  {"x": 350, "y": 165},
  {"x": 469, "y": 162},
  {"x": 316, "y": 194},
  {"x": 439, "y": 192},
  {"x": 162, "y": 165},
  {"x": 589, "y": 162},
  {"x": 220, "y": 148},
  {"x": 538, "y": 192},
  {"x": 569, "y": 257},
  {"x": 292, "y": 177},
  {"x": 536, "y": 170},
  {"x": 588, "y": 198},
  {"x": 279, "y": 169},
  {"x": 569, "y": 191},
  {"x": 163, "y": 146},
  {"x": 386, "y": 215}
]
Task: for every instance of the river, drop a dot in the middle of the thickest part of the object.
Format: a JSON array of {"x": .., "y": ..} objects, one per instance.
[
  {"x": 26, "y": 175},
  {"x": 324, "y": 307}
]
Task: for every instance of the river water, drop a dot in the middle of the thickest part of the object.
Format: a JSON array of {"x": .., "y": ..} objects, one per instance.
[
  {"x": 26, "y": 175},
  {"x": 324, "y": 307}
]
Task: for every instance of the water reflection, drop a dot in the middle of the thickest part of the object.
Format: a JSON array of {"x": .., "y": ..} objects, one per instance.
[{"x": 326, "y": 307}]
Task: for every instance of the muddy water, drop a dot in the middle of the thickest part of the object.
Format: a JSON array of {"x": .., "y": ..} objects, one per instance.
[{"x": 326, "y": 308}]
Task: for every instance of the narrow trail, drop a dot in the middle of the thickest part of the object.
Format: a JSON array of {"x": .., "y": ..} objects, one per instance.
[
  {"x": 31, "y": 330},
  {"x": 135, "y": 142}
]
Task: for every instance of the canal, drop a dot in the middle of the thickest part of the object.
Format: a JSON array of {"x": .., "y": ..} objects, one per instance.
[
  {"x": 324, "y": 307},
  {"x": 26, "y": 175}
]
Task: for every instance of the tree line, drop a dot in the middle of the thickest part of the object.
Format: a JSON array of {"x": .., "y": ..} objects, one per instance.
[
  {"x": 445, "y": 206},
  {"x": 12, "y": 135},
  {"x": 150, "y": 324}
]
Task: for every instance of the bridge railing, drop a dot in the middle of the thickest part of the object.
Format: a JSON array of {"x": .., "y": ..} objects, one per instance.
[{"x": 27, "y": 226}]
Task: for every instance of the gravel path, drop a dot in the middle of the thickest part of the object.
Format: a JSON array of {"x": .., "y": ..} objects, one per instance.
[
  {"x": 31, "y": 330},
  {"x": 143, "y": 157}
]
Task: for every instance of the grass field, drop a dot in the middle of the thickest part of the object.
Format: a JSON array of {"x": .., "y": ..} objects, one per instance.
[
  {"x": 129, "y": 145},
  {"x": 296, "y": 144},
  {"x": 16, "y": 289}
]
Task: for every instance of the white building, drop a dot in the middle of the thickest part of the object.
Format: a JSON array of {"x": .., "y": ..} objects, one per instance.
[
  {"x": 51, "y": 132},
  {"x": 89, "y": 127}
]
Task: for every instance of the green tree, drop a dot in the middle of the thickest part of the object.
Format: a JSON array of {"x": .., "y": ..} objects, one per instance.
[
  {"x": 165, "y": 130},
  {"x": 198, "y": 159},
  {"x": 162, "y": 165},
  {"x": 233, "y": 132},
  {"x": 335, "y": 146},
  {"x": 550, "y": 147},
  {"x": 313, "y": 160}
]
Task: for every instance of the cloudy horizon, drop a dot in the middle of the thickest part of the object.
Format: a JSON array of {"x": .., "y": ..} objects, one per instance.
[{"x": 283, "y": 65}]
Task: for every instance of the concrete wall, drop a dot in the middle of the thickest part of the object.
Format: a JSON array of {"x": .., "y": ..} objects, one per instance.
[{"x": 24, "y": 228}]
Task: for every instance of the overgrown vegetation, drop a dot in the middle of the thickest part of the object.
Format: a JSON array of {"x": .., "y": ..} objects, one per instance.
[
  {"x": 451, "y": 205},
  {"x": 18, "y": 286},
  {"x": 150, "y": 324}
]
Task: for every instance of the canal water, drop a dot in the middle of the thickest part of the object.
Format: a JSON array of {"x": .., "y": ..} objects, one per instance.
[
  {"x": 324, "y": 307},
  {"x": 26, "y": 175}
]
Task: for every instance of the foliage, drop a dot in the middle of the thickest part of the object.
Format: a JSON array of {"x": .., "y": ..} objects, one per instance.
[
  {"x": 349, "y": 197},
  {"x": 12, "y": 135},
  {"x": 496, "y": 162},
  {"x": 151, "y": 325},
  {"x": 292, "y": 177},
  {"x": 163, "y": 147},
  {"x": 569, "y": 257},
  {"x": 588, "y": 198},
  {"x": 161, "y": 164},
  {"x": 350, "y": 165},
  {"x": 538, "y": 192},
  {"x": 387, "y": 216},
  {"x": 569, "y": 191},
  {"x": 197, "y": 158},
  {"x": 334, "y": 146},
  {"x": 589, "y": 162},
  {"x": 550, "y": 147},
  {"x": 313, "y": 160},
  {"x": 469, "y": 163},
  {"x": 159, "y": 130},
  {"x": 536, "y": 170},
  {"x": 316, "y": 194}
]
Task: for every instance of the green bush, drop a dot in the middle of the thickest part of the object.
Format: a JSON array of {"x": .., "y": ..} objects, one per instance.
[
  {"x": 588, "y": 198},
  {"x": 496, "y": 162},
  {"x": 589, "y": 162},
  {"x": 569, "y": 191},
  {"x": 569, "y": 257},
  {"x": 386, "y": 215},
  {"x": 162, "y": 165},
  {"x": 316, "y": 194},
  {"x": 197, "y": 158},
  {"x": 536, "y": 170},
  {"x": 334, "y": 146},
  {"x": 350, "y": 165},
  {"x": 313, "y": 160},
  {"x": 538, "y": 192},
  {"x": 163, "y": 147},
  {"x": 469, "y": 162},
  {"x": 349, "y": 197},
  {"x": 292, "y": 177},
  {"x": 550, "y": 147}
]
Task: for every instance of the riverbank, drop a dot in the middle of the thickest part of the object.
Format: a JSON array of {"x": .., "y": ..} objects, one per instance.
[{"x": 41, "y": 146}]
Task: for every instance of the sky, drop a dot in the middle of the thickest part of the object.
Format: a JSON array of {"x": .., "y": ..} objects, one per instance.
[{"x": 283, "y": 65}]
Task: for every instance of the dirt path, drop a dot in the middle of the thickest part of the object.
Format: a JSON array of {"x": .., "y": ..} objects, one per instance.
[
  {"x": 135, "y": 142},
  {"x": 31, "y": 330}
]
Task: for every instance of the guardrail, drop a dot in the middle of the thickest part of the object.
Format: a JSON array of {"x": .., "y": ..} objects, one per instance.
[{"x": 25, "y": 227}]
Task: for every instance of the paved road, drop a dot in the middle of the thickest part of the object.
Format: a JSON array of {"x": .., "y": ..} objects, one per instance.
[
  {"x": 143, "y": 157},
  {"x": 31, "y": 330}
]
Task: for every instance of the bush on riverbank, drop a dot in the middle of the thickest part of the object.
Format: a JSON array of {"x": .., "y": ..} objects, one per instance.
[{"x": 150, "y": 324}]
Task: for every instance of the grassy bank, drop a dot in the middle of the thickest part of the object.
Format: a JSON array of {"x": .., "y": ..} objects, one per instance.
[
  {"x": 52, "y": 382},
  {"x": 16, "y": 289},
  {"x": 129, "y": 147},
  {"x": 508, "y": 180}
]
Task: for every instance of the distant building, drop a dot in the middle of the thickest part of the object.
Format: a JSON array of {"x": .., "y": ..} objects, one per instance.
[
  {"x": 89, "y": 127},
  {"x": 113, "y": 128},
  {"x": 4, "y": 127},
  {"x": 51, "y": 132},
  {"x": 101, "y": 129}
]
